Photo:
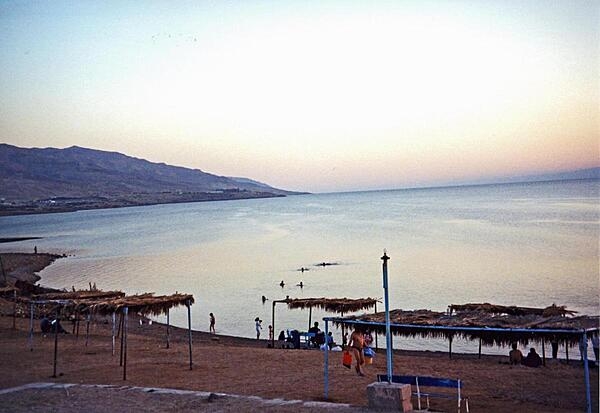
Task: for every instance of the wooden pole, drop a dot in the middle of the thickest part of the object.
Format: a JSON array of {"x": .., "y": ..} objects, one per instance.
[
  {"x": 3, "y": 272},
  {"x": 77, "y": 335},
  {"x": 113, "y": 332},
  {"x": 15, "y": 310},
  {"x": 309, "y": 319},
  {"x": 168, "y": 330},
  {"x": 120, "y": 324},
  {"x": 189, "y": 331},
  {"x": 544, "y": 351},
  {"x": 87, "y": 329},
  {"x": 122, "y": 339},
  {"x": 450, "y": 346},
  {"x": 55, "y": 341},
  {"x": 479, "y": 356},
  {"x": 567, "y": 350},
  {"x": 30, "y": 328},
  {"x": 125, "y": 343},
  {"x": 273, "y": 324},
  {"x": 376, "y": 346}
]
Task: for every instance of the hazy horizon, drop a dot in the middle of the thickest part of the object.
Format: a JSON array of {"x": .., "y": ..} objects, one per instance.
[{"x": 310, "y": 96}]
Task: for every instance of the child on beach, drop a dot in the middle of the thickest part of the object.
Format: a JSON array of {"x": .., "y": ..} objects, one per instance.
[
  {"x": 212, "y": 323},
  {"x": 257, "y": 322}
]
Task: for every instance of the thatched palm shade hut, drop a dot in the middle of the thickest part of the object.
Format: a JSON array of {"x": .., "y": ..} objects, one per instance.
[
  {"x": 334, "y": 305},
  {"x": 144, "y": 304},
  {"x": 111, "y": 303},
  {"x": 549, "y": 311},
  {"x": 492, "y": 327},
  {"x": 79, "y": 295}
]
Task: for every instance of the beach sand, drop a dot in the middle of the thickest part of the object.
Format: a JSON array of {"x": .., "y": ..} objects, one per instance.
[{"x": 243, "y": 366}]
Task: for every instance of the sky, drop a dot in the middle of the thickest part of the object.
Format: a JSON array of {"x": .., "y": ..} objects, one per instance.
[{"x": 315, "y": 96}]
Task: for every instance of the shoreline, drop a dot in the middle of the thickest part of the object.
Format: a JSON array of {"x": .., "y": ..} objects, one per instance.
[
  {"x": 38, "y": 209},
  {"x": 245, "y": 366},
  {"x": 17, "y": 239},
  {"x": 22, "y": 267}
]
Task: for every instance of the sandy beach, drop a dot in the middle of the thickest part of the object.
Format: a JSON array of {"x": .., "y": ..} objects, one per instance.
[{"x": 239, "y": 366}]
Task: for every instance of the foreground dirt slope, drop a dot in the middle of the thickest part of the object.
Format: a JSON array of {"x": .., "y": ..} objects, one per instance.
[{"x": 247, "y": 367}]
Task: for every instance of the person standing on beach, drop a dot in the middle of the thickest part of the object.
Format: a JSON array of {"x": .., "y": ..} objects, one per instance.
[
  {"x": 257, "y": 322},
  {"x": 270, "y": 332},
  {"x": 356, "y": 346},
  {"x": 596, "y": 347},
  {"x": 212, "y": 323}
]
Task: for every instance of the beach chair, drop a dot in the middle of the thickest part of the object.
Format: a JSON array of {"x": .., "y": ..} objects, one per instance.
[{"x": 424, "y": 381}]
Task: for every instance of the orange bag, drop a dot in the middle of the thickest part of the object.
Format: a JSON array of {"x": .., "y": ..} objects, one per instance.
[{"x": 347, "y": 359}]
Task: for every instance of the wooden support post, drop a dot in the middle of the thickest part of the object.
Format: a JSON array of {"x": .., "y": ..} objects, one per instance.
[
  {"x": 309, "y": 319},
  {"x": 544, "y": 351},
  {"x": 122, "y": 339},
  {"x": 113, "y": 332},
  {"x": 479, "y": 356},
  {"x": 56, "y": 341},
  {"x": 567, "y": 350},
  {"x": 74, "y": 322},
  {"x": 189, "y": 311},
  {"x": 30, "y": 328},
  {"x": 344, "y": 343},
  {"x": 125, "y": 319},
  {"x": 450, "y": 346},
  {"x": 120, "y": 324},
  {"x": 273, "y": 324},
  {"x": 168, "y": 330},
  {"x": 87, "y": 329},
  {"x": 15, "y": 310},
  {"x": 77, "y": 334},
  {"x": 376, "y": 346}
]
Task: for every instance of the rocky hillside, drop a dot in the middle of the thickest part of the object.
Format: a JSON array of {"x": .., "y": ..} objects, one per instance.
[{"x": 33, "y": 174}]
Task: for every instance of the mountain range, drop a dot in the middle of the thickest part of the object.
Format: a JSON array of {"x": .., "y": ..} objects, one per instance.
[{"x": 79, "y": 175}]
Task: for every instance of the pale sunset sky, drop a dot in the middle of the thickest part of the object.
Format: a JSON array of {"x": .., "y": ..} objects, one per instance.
[{"x": 310, "y": 95}]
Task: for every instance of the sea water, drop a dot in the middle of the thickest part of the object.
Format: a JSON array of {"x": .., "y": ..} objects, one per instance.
[{"x": 530, "y": 244}]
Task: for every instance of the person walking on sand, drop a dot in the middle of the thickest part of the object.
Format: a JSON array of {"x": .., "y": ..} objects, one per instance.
[
  {"x": 257, "y": 322},
  {"x": 270, "y": 332},
  {"x": 356, "y": 345},
  {"x": 212, "y": 323}
]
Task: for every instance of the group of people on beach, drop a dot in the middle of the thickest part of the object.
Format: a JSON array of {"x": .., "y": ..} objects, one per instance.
[
  {"x": 533, "y": 359},
  {"x": 515, "y": 357}
]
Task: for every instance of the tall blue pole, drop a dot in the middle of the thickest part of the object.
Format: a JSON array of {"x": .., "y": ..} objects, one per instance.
[
  {"x": 586, "y": 371},
  {"x": 326, "y": 361},
  {"x": 388, "y": 333}
]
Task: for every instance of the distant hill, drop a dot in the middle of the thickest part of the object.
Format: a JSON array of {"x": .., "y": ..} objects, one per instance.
[
  {"x": 589, "y": 173},
  {"x": 29, "y": 174}
]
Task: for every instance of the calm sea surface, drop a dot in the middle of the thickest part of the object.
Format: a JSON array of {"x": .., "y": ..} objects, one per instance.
[{"x": 528, "y": 244}]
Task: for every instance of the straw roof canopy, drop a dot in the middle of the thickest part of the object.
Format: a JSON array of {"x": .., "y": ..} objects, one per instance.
[
  {"x": 7, "y": 291},
  {"x": 145, "y": 304},
  {"x": 80, "y": 295},
  {"x": 473, "y": 325},
  {"x": 552, "y": 310},
  {"x": 334, "y": 305}
]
